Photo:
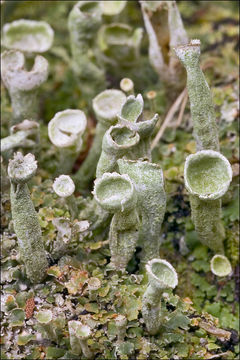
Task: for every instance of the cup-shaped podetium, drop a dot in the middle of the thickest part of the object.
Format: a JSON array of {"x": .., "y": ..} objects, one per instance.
[
  {"x": 116, "y": 193},
  {"x": 22, "y": 84},
  {"x": 106, "y": 106},
  {"x": 151, "y": 203},
  {"x": 29, "y": 36},
  {"x": 64, "y": 187},
  {"x": 131, "y": 114},
  {"x": 127, "y": 86},
  {"x": 202, "y": 109},
  {"x": 44, "y": 318},
  {"x": 207, "y": 176},
  {"x": 220, "y": 265},
  {"x": 111, "y": 8},
  {"x": 119, "y": 44},
  {"x": 65, "y": 131},
  {"x": 161, "y": 276},
  {"x": 25, "y": 220},
  {"x": 79, "y": 333},
  {"x": 84, "y": 21},
  {"x": 119, "y": 141}
]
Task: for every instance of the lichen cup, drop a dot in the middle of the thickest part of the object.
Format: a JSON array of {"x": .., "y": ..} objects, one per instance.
[
  {"x": 64, "y": 187},
  {"x": 119, "y": 44},
  {"x": 116, "y": 194},
  {"x": 106, "y": 106},
  {"x": 207, "y": 176},
  {"x": 111, "y": 8},
  {"x": 220, "y": 265},
  {"x": 22, "y": 84},
  {"x": 65, "y": 131},
  {"x": 29, "y": 36},
  {"x": 119, "y": 141},
  {"x": 161, "y": 276}
]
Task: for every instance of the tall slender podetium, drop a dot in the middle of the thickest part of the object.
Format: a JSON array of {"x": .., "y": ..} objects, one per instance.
[
  {"x": 202, "y": 109},
  {"x": 25, "y": 221},
  {"x": 151, "y": 203},
  {"x": 116, "y": 194}
]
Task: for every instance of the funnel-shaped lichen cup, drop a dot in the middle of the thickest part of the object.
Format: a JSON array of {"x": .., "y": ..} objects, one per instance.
[
  {"x": 116, "y": 194},
  {"x": 106, "y": 106},
  {"x": 65, "y": 131},
  {"x": 64, "y": 187},
  {"x": 131, "y": 115},
  {"x": 207, "y": 176},
  {"x": 220, "y": 265},
  {"x": 151, "y": 203},
  {"x": 119, "y": 44},
  {"x": 29, "y": 36},
  {"x": 161, "y": 276},
  {"x": 119, "y": 141},
  {"x": 22, "y": 84},
  {"x": 79, "y": 333}
]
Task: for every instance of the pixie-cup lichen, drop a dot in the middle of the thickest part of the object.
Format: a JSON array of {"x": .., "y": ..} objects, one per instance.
[
  {"x": 83, "y": 23},
  {"x": 29, "y": 36},
  {"x": 65, "y": 131},
  {"x": 220, "y": 265},
  {"x": 64, "y": 187},
  {"x": 202, "y": 109},
  {"x": 131, "y": 116},
  {"x": 22, "y": 84},
  {"x": 119, "y": 44},
  {"x": 207, "y": 176},
  {"x": 118, "y": 142},
  {"x": 79, "y": 333},
  {"x": 116, "y": 194},
  {"x": 151, "y": 202},
  {"x": 25, "y": 221},
  {"x": 106, "y": 106},
  {"x": 161, "y": 276},
  {"x": 111, "y": 8}
]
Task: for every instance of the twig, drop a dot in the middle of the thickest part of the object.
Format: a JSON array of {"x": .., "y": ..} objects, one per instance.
[
  {"x": 181, "y": 112},
  {"x": 168, "y": 118}
]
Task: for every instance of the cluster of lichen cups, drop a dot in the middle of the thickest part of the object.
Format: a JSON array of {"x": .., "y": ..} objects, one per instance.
[{"x": 128, "y": 186}]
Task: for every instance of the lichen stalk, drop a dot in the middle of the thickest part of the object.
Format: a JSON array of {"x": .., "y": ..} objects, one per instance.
[
  {"x": 25, "y": 220},
  {"x": 161, "y": 276},
  {"x": 83, "y": 23},
  {"x": 201, "y": 104},
  {"x": 151, "y": 203},
  {"x": 116, "y": 194}
]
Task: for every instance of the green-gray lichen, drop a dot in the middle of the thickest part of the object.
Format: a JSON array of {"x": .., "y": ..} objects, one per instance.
[
  {"x": 202, "y": 109},
  {"x": 106, "y": 106},
  {"x": 116, "y": 194},
  {"x": 151, "y": 202},
  {"x": 22, "y": 84},
  {"x": 83, "y": 23},
  {"x": 29, "y": 36},
  {"x": 65, "y": 131},
  {"x": 25, "y": 220},
  {"x": 161, "y": 276},
  {"x": 119, "y": 141},
  {"x": 207, "y": 176}
]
